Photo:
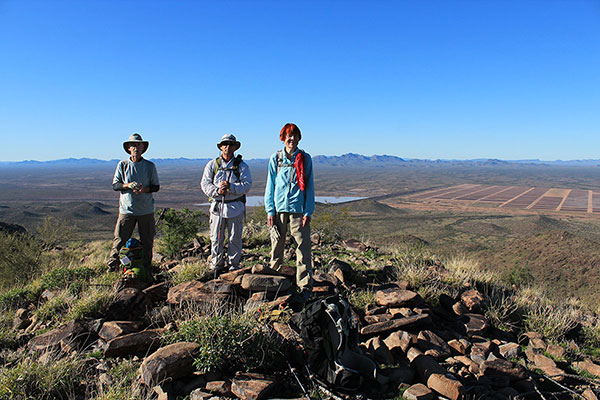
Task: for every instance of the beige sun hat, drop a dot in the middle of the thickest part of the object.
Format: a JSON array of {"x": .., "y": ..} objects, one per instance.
[
  {"x": 229, "y": 138},
  {"x": 135, "y": 138}
]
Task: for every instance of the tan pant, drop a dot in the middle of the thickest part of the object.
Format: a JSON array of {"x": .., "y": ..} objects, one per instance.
[
  {"x": 301, "y": 236},
  {"x": 124, "y": 230}
]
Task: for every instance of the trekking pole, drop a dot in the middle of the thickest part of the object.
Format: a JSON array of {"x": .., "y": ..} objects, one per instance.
[
  {"x": 220, "y": 224},
  {"x": 293, "y": 371}
]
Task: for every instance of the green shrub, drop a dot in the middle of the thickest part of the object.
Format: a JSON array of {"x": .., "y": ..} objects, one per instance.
[
  {"x": 61, "y": 278},
  {"x": 361, "y": 299},
  {"x": 552, "y": 321},
  {"x": 178, "y": 228},
  {"x": 20, "y": 297},
  {"x": 53, "y": 233},
  {"x": 518, "y": 275},
  {"x": 230, "y": 342},
  {"x": 55, "y": 308},
  {"x": 29, "y": 379},
  {"x": 93, "y": 304},
  {"x": 19, "y": 259},
  {"x": 189, "y": 272},
  {"x": 332, "y": 222},
  {"x": 122, "y": 376}
]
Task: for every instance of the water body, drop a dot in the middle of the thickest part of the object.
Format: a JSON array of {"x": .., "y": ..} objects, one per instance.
[{"x": 253, "y": 201}]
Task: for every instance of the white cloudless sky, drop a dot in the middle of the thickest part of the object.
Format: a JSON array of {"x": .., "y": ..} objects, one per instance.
[{"x": 461, "y": 79}]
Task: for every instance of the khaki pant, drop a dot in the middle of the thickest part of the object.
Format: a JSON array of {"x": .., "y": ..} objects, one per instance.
[
  {"x": 217, "y": 239},
  {"x": 124, "y": 230},
  {"x": 301, "y": 236}
]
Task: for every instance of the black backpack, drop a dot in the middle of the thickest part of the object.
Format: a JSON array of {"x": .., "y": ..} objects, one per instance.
[{"x": 330, "y": 339}]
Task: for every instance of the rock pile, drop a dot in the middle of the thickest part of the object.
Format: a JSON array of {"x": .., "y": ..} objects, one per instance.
[{"x": 447, "y": 350}]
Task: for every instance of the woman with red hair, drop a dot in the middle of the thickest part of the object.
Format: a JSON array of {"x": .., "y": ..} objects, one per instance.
[{"x": 290, "y": 202}]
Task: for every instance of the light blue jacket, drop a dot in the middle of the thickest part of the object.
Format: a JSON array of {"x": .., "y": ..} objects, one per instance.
[{"x": 282, "y": 193}]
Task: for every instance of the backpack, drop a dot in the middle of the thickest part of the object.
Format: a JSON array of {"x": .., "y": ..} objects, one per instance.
[
  {"x": 236, "y": 171},
  {"x": 132, "y": 260},
  {"x": 299, "y": 168},
  {"x": 330, "y": 339}
]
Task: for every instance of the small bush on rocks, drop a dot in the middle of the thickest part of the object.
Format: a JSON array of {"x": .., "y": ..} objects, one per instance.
[
  {"x": 19, "y": 259},
  {"x": 177, "y": 228},
  {"x": 30, "y": 379},
  {"x": 229, "y": 342}
]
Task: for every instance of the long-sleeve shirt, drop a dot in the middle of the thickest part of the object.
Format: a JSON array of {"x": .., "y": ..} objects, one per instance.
[
  {"x": 143, "y": 172},
  {"x": 282, "y": 192},
  {"x": 237, "y": 186}
]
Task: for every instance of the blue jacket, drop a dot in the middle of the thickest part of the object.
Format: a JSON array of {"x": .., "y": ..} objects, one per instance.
[{"x": 282, "y": 193}]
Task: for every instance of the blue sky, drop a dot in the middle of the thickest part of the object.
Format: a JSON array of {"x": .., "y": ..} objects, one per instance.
[{"x": 417, "y": 79}]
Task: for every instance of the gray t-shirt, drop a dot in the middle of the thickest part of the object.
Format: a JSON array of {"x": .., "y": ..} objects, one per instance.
[{"x": 143, "y": 172}]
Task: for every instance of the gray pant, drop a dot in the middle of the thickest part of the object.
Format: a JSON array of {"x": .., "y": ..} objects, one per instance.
[
  {"x": 234, "y": 248},
  {"x": 302, "y": 237},
  {"x": 124, "y": 230}
]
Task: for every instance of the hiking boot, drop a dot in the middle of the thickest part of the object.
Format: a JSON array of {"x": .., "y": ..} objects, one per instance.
[
  {"x": 233, "y": 268},
  {"x": 217, "y": 269}
]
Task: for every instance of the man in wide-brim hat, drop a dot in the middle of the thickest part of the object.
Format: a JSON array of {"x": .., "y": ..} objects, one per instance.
[
  {"x": 225, "y": 181},
  {"x": 136, "y": 178}
]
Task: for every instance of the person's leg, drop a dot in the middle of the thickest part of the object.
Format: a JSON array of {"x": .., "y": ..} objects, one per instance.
[
  {"x": 123, "y": 231},
  {"x": 278, "y": 244},
  {"x": 303, "y": 257},
  {"x": 216, "y": 242},
  {"x": 147, "y": 230},
  {"x": 234, "y": 248}
]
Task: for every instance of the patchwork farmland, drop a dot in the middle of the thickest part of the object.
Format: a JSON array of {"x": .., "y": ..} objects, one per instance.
[{"x": 516, "y": 197}]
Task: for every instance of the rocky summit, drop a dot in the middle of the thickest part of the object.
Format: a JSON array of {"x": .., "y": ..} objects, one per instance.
[{"x": 432, "y": 338}]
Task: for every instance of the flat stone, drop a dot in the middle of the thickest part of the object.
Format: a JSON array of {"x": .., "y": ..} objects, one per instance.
[
  {"x": 436, "y": 377},
  {"x": 512, "y": 371},
  {"x": 51, "y": 340},
  {"x": 265, "y": 283},
  {"x": 373, "y": 319},
  {"x": 133, "y": 343},
  {"x": 433, "y": 345},
  {"x": 556, "y": 351},
  {"x": 509, "y": 350},
  {"x": 548, "y": 367},
  {"x": 401, "y": 312},
  {"x": 221, "y": 388},
  {"x": 192, "y": 292},
  {"x": 21, "y": 320},
  {"x": 380, "y": 351},
  {"x": 199, "y": 394},
  {"x": 418, "y": 392},
  {"x": 589, "y": 394},
  {"x": 233, "y": 275},
  {"x": 457, "y": 346},
  {"x": 396, "y": 324},
  {"x": 112, "y": 329},
  {"x": 472, "y": 300},
  {"x": 354, "y": 245},
  {"x": 249, "y": 387},
  {"x": 400, "y": 340},
  {"x": 474, "y": 324},
  {"x": 157, "y": 293},
  {"x": 588, "y": 366},
  {"x": 128, "y": 304},
  {"x": 172, "y": 361},
  {"x": 394, "y": 297}
]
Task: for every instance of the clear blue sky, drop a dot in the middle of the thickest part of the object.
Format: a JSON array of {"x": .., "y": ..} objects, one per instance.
[{"x": 507, "y": 79}]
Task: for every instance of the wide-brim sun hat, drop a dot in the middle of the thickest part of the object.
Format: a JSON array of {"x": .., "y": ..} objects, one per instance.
[
  {"x": 229, "y": 138},
  {"x": 135, "y": 138}
]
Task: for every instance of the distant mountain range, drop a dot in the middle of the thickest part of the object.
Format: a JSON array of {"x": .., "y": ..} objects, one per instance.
[{"x": 346, "y": 160}]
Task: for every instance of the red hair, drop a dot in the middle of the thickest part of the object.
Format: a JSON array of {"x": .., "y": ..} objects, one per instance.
[{"x": 289, "y": 128}]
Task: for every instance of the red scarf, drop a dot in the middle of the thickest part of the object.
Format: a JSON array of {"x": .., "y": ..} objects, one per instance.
[{"x": 299, "y": 164}]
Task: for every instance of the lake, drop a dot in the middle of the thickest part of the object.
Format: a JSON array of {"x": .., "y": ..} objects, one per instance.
[{"x": 253, "y": 201}]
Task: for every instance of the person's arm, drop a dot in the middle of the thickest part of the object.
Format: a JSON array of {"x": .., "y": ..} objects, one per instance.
[
  {"x": 118, "y": 179},
  {"x": 207, "y": 185},
  {"x": 270, "y": 190}
]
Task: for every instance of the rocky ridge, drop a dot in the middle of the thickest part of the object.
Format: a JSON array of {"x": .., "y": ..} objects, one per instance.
[{"x": 446, "y": 350}]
